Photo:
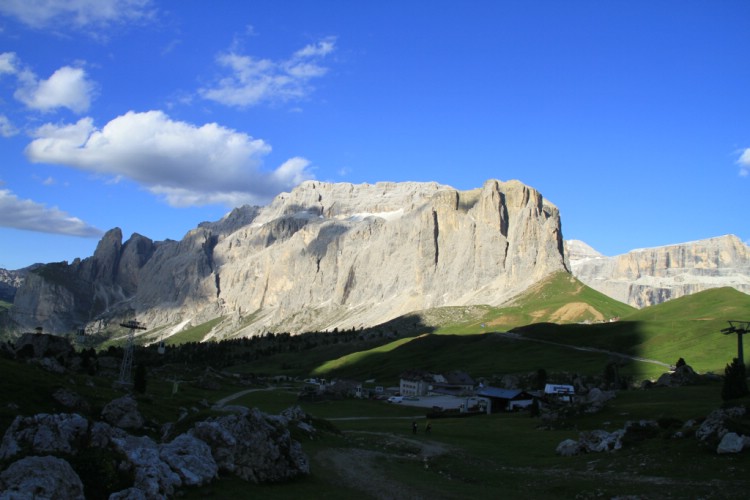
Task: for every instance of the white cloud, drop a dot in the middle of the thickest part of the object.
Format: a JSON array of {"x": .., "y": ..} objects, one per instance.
[
  {"x": 77, "y": 13},
  {"x": 744, "y": 162},
  {"x": 184, "y": 163},
  {"x": 322, "y": 48},
  {"x": 7, "y": 129},
  {"x": 8, "y": 63},
  {"x": 32, "y": 216},
  {"x": 67, "y": 88},
  {"x": 253, "y": 81}
]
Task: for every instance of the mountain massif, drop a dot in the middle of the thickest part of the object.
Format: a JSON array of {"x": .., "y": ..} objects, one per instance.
[
  {"x": 650, "y": 276},
  {"x": 321, "y": 257},
  {"x": 343, "y": 256}
]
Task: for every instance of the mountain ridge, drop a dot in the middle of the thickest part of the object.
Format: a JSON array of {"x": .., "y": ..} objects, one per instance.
[
  {"x": 648, "y": 276},
  {"x": 323, "y": 256}
]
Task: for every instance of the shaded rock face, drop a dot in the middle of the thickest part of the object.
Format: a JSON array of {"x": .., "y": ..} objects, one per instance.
[
  {"x": 10, "y": 281},
  {"x": 41, "y": 478},
  {"x": 321, "y": 257},
  {"x": 61, "y": 296},
  {"x": 253, "y": 446},
  {"x": 650, "y": 276},
  {"x": 40, "y": 345},
  {"x": 123, "y": 413},
  {"x": 44, "y": 433}
]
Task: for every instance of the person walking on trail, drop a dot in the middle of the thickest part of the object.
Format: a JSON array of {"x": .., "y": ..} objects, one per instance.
[
  {"x": 414, "y": 427},
  {"x": 428, "y": 428}
]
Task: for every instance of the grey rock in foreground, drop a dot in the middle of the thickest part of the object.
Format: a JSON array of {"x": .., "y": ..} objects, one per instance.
[
  {"x": 254, "y": 446},
  {"x": 40, "y": 478}
]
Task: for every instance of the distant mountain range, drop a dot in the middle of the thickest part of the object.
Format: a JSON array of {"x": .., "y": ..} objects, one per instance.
[
  {"x": 347, "y": 256},
  {"x": 649, "y": 276}
]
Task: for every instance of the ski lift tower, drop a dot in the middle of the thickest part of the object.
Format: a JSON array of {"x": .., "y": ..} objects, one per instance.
[
  {"x": 127, "y": 358},
  {"x": 740, "y": 328}
]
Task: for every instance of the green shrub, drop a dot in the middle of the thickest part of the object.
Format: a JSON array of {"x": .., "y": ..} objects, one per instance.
[{"x": 735, "y": 381}]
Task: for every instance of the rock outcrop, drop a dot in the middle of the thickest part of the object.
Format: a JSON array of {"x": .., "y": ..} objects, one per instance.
[
  {"x": 650, "y": 276},
  {"x": 40, "y": 478},
  {"x": 10, "y": 281},
  {"x": 250, "y": 444},
  {"x": 123, "y": 413},
  {"x": 254, "y": 446},
  {"x": 321, "y": 257}
]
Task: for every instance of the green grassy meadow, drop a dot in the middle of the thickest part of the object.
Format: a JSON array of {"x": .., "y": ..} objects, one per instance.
[{"x": 560, "y": 326}]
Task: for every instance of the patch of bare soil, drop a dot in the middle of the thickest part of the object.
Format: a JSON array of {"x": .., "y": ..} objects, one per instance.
[
  {"x": 576, "y": 311},
  {"x": 359, "y": 469}
]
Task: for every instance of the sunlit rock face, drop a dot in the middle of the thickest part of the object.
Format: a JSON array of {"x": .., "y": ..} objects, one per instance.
[
  {"x": 323, "y": 256},
  {"x": 649, "y": 276}
]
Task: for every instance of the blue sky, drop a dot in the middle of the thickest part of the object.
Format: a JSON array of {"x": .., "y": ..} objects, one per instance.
[{"x": 153, "y": 116}]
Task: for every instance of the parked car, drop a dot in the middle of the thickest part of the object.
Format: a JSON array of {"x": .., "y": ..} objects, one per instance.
[{"x": 395, "y": 399}]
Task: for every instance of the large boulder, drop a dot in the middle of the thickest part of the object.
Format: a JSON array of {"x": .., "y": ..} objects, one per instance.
[
  {"x": 714, "y": 426},
  {"x": 152, "y": 475},
  {"x": 129, "y": 494},
  {"x": 682, "y": 375},
  {"x": 253, "y": 446},
  {"x": 600, "y": 440},
  {"x": 299, "y": 418},
  {"x": 70, "y": 400},
  {"x": 44, "y": 433},
  {"x": 568, "y": 448},
  {"x": 123, "y": 413},
  {"x": 101, "y": 434},
  {"x": 40, "y": 478},
  {"x": 191, "y": 458},
  {"x": 730, "y": 443}
]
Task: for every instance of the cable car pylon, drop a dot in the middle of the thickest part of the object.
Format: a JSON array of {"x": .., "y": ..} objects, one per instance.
[{"x": 127, "y": 359}]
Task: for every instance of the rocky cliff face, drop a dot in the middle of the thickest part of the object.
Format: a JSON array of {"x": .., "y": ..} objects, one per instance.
[
  {"x": 10, "y": 281},
  {"x": 649, "y": 276},
  {"x": 320, "y": 257}
]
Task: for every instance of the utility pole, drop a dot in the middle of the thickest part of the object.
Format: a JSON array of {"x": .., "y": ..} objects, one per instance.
[
  {"x": 740, "y": 328},
  {"x": 127, "y": 358}
]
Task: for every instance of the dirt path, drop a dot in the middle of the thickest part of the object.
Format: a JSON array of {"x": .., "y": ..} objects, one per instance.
[
  {"x": 223, "y": 401},
  {"x": 359, "y": 468},
  {"x": 515, "y": 336}
]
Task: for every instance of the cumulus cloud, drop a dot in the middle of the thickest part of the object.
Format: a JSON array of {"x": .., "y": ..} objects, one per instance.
[
  {"x": 252, "y": 81},
  {"x": 32, "y": 216},
  {"x": 181, "y": 162},
  {"x": 7, "y": 129},
  {"x": 744, "y": 162},
  {"x": 68, "y": 87},
  {"x": 77, "y": 13}
]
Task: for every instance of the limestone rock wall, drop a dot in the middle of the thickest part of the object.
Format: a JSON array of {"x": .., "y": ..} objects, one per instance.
[
  {"x": 323, "y": 256},
  {"x": 650, "y": 276}
]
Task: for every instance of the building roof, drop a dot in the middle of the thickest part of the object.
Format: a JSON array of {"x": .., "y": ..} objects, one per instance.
[
  {"x": 496, "y": 392},
  {"x": 459, "y": 378},
  {"x": 559, "y": 389}
]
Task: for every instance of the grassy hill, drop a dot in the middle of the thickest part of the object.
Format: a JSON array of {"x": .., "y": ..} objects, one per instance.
[
  {"x": 560, "y": 298},
  {"x": 688, "y": 327},
  {"x": 544, "y": 331}
]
